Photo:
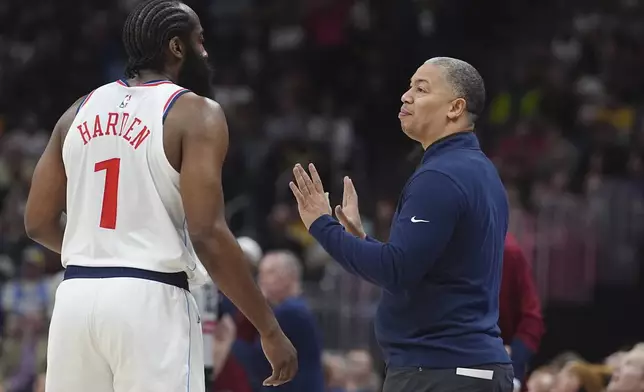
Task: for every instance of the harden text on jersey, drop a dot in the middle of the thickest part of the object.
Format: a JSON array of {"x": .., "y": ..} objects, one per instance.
[{"x": 116, "y": 124}]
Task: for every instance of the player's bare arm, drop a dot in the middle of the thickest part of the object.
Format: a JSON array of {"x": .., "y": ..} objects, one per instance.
[
  {"x": 46, "y": 201},
  {"x": 204, "y": 146}
]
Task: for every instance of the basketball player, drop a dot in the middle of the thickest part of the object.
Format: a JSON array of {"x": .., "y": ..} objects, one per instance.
[{"x": 136, "y": 165}]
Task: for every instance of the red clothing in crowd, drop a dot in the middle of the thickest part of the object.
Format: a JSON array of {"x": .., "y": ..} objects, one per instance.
[
  {"x": 233, "y": 377},
  {"x": 520, "y": 317}
]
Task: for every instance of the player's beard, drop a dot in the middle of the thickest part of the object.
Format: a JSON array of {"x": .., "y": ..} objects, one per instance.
[{"x": 196, "y": 74}]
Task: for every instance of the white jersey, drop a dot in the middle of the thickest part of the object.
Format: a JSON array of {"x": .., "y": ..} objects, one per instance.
[{"x": 124, "y": 208}]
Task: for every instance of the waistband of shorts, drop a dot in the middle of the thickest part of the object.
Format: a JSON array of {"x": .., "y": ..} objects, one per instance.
[{"x": 177, "y": 279}]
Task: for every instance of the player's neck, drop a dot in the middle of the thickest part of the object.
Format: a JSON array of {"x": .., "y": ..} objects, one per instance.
[{"x": 146, "y": 76}]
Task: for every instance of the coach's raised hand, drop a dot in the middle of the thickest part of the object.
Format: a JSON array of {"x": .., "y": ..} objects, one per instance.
[
  {"x": 348, "y": 214},
  {"x": 312, "y": 202}
]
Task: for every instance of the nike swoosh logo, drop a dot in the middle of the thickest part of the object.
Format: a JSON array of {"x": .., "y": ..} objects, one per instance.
[{"x": 414, "y": 220}]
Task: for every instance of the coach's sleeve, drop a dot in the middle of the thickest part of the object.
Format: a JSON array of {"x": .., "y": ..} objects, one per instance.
[{"x": 432, "y": 204}]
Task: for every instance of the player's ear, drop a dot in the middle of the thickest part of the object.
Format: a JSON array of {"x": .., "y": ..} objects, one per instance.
[
  {"x": 456, "y": 109},
  {"x": 176, "y": 47}
]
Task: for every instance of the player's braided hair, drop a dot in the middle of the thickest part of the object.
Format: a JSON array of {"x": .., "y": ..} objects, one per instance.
[{"x": 147, "y": 31}]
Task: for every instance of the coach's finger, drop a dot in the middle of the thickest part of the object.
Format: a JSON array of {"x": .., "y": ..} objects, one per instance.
[
  {"x": 342, "y": 217},
  {"x": 345, "y": 191},
  {"x": 299, "y": 178},
  {"x": 350, "y": 190},
  {"x": 317, "y": 182},
  {"x": 307, "y": 180},
  {"x": 296, "y": 192}
]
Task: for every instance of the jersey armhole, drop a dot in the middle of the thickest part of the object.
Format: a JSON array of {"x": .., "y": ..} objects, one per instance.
[
  {"x": 84, "y": 101},
  {"x": 171, "y": 101},
  {"x": 81, "y": 103}
]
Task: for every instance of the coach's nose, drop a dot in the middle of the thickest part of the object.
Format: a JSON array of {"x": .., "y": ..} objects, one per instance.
[{"x": 406, "y": 97}]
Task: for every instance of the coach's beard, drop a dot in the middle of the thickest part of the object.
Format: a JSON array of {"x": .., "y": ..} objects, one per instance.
[{"x": 196, "y": 74}]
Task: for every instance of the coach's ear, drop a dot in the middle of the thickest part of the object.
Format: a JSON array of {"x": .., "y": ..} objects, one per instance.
[
  {"x": 457, "y": 109},
  {"x": 176, "y": 47}
]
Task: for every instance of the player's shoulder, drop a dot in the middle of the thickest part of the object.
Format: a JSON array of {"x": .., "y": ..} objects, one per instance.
[
  {"x": 68, "y": 116},
  {"x": 70, "y": 113},
  {"x": 196, "y": 114},
  {"x": 65, "y": 121},
  {"x": 194, "y": 104}
]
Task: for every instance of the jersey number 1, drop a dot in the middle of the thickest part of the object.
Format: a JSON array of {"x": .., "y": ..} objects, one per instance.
[{"x": 110, "y": 192}]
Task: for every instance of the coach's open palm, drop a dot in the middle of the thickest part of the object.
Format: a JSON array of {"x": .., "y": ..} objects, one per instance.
[
  {"x": 281, "y": 355},
  {"x": 312, "y": 201},
  {"x": 348, "y": 213}
]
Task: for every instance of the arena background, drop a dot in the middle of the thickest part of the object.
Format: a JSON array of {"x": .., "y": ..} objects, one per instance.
[{"x": 321, "y": 80}]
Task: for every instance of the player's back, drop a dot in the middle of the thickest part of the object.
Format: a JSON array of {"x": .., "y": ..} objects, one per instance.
[{"x": 124, "y": 207}]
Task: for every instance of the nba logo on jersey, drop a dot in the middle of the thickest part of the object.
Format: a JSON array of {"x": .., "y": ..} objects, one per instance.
[{"x": 125, "y": 101}]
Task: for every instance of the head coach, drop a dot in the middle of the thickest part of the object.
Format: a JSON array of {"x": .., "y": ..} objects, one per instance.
[{"x": 440, "y": 271}]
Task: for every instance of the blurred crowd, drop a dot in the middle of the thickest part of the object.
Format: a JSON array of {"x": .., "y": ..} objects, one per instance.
[
  {"x": 621, "y": 371},
  {"x": 320, "y": 81}
]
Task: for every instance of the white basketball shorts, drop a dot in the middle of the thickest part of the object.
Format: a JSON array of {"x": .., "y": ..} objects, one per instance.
[{"x": 123, "y": 334}]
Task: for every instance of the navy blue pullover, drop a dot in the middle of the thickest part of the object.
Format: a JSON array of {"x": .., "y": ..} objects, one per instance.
[{"x": 441, "y": 269}]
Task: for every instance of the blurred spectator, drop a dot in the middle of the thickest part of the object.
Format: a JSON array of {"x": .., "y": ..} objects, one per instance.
[
  {"x": 567, "y": 379},
  {"x": 279, "y": 279},
  {"x": 614, "y": 360},
  {"x": 232, "y": 334},
  {"x": 621, "y": 372},
  {"x": 29, "y": 293},
  {"x": 629, "y": 374},
  {"x": 30, "y": 139},
  {"x": 560, "y": 361},
  {"x": 576, "y": 376},
  {"x": 224, "y": 336},
  {"x": 335, "y": 372},
  {"x": 23, "y": 354},
  {"x": 559, "y": 153},
  {"x": 360, "y": 374},
  {"x": 234, "y": 353},
  {"x": 541, "y": 380},
  {"x": 252, "y": 251},
  {"x": 520, "y": 316}
]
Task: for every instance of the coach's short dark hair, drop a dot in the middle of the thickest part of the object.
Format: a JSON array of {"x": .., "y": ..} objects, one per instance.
[
  {"x": 147, "y": 31},
  {"x": 466, "y": 82}
]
